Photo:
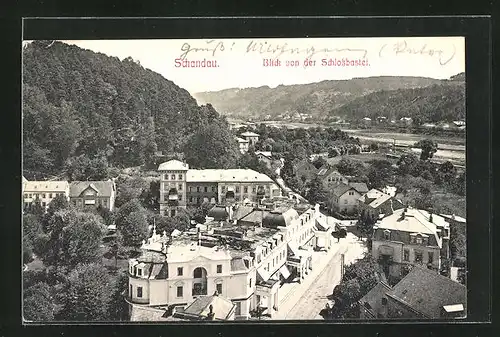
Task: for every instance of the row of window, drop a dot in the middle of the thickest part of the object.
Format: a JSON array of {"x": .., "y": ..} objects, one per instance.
[
  {"x": 198, "y": 272},
  {"x": 172, "y": 177},
  {"x": 199, "y": 200},
  {"x": 42, "y": 195},
  {"x": 419, "y": 256},
  {"x": 245, "y": 189},
  {"x": 199, "y": 189},
  {"x": 275, "y": 261}
]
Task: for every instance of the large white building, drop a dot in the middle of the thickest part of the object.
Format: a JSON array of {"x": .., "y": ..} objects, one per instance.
[
  {"x": 245, "y": 263},
  {"x": 44, "y": 191},
  {"x": 181, "y": 186}
]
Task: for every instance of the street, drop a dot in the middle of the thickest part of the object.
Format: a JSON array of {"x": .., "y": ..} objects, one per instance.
[{"x": 310, "y": 297}]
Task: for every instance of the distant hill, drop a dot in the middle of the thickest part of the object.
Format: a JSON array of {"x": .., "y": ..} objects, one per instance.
[
  {"x": 80, "y": 103},
  {"x": 444, "y": 102},
  {"x": 317, "y": 99}
]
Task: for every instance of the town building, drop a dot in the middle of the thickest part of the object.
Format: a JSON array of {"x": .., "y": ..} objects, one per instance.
[
  {"x": 361, "y": 188},
  {"x": 331, "y": 177},
  {"x": 377, "y": 203},
  {"x": 208, "y": 308},
  {"x": 243, "y": 145},
  {"x": 44, "y": 191},
  {"x": 251, "y": 137},
  {"x": 344, "y": 199},
  {"x": 374, "y": 304},
  {"x": 405, "y": 121},
  {"x": 181, "y": 186},
  {"x": 411, "y": 236},
  {"x": 305, "y": 170},
  {"x": 245, "y": 263},
  {"x": 315, "y": 156},
  {"x": 424, "y": 294},
  {"x": 421, "y": 294},
  {"x": 266, "y": 157},
  {"x": 93, "y": 194}
]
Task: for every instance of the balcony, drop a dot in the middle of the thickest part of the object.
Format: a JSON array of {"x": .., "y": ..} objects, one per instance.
[{"x": 199, "y": 291}]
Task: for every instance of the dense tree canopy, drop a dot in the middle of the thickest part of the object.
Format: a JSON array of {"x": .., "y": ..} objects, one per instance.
[
  {"x": 213, "y": 146},
  {"x": 87, "y": 294},
  {"x": 73, "y": 237},
  {"x": 86, "y": 111},
  {"x": 38, "y": 303}
]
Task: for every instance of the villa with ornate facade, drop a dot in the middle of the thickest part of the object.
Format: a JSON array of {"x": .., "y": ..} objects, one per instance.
[{"x": 243, "y": 261}]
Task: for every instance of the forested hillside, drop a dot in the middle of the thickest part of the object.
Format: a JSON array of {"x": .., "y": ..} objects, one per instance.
[
  {"x": 82, "y": 108},
  {"x": 445, "y": 102},
  {"x": 317, "y": 99}
]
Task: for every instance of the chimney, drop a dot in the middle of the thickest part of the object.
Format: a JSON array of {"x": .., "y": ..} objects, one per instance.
[
  {"x": 211, "y": 314},
  {"x": 430, "y": 217}
]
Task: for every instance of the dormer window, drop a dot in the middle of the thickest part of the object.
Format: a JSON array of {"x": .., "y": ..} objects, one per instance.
[{"x": 387, "y": 234}]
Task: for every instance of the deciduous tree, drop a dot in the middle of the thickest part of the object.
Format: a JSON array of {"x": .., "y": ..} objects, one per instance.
[
  {"x": 87, "y": 294},
  {"x": 38, "y": 303}
]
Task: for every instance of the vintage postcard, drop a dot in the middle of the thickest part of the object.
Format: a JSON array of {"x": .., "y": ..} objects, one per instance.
[{"x": 244, "y": 179}]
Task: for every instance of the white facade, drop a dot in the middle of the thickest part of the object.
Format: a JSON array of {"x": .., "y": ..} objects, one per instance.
[
  {"x": 248, "y": 278},
  {"x": 45, "y": 191}
]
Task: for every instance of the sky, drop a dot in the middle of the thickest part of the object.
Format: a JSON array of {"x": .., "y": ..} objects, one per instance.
[{"x": 240, "y": 62}]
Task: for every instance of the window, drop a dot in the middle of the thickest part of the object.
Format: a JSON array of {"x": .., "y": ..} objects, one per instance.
[
  {"x": 250, "y": 284},
  {"x": 268, "y": 267},
  {"x": 179, "y": 271},
  {"x": 180, "y": 197},
  {"x": 238, "y": 309},
  {"x": 245, "y": 189},
  {"x": 190, "y": 188},
  {"x": 180, "y": 187},
  {"x": 351, "y": 193},
  {"x": 197, "y": 188},
  {"x": 44, "y": 204},
  {"x": 253, "y": 189},
  {"x": 139, "y": 291},
  {"x": 237, "y": 189},
  {"x": 50, "y": 195},
  {"x": 173, "y": 177},
  {"x": 43, "y": 195},
  {"x": 180, "y": 291},
  {"x": 419, "y": 240},
  {"x": 406, "y": 255},
  {"x": 205, "y": 189},
  {"x": 219, "y": 268},
  {"x": 25, "y": 195},
  {"x": 130, "y": 294},
  {"x": 165, "y": 176},
  {"x": 190, "y": 199},
  {"x": 418, "y": 256},
  {"x": 180, "y": 176},
  {"x": 431, "y": 257},
  {"x": 387, "y": 235},
  {"x": 139, "y": 272},
  {"x": 214, "y": 189},
  {"x": 172, "y": 212},
  {"x": 219, "y": 288}
]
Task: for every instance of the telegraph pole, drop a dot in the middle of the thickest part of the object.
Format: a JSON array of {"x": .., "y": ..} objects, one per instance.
[{"x": 341, "y": 266}]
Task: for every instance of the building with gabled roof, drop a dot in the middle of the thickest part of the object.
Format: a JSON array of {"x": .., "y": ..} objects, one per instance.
[
  {"x": 331, "y": 177},
  {"x": 425, "y": 294},
  {"x": 374, "y": 304},
  {"x": 243, "y": 144},
  {"x": 344, "y": 199},
  {"x": 411, "y": 236},
  {"x": 93, "y": 194},
  {"x": 251, "y": 137},
  {"x": 376, "y": 203}
]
